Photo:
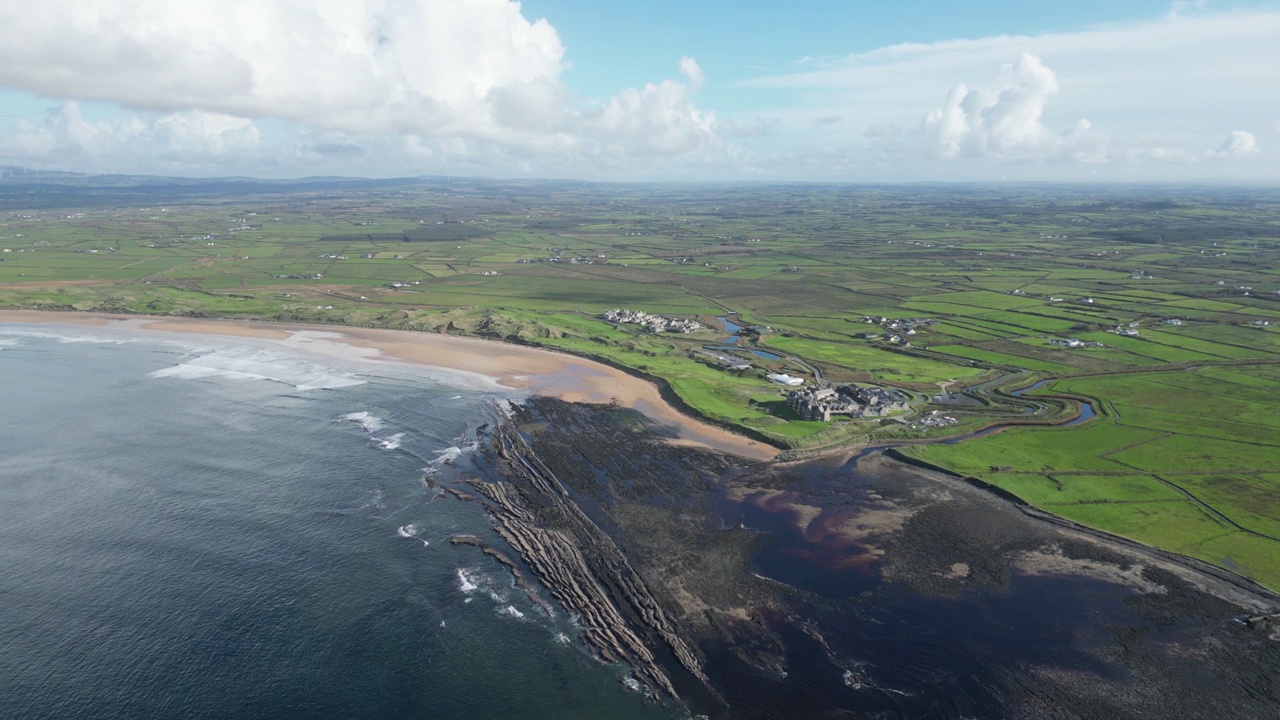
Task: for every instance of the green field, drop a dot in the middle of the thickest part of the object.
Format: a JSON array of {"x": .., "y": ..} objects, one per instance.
[
  {"x": 1185, "y": 456},
  {"x": 1182, "y": 460}
]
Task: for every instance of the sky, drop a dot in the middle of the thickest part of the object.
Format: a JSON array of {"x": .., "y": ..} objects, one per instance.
[{"x": 665, "y": 90}]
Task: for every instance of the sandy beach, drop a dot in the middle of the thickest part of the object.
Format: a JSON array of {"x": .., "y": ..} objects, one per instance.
[{"x": 533, "y": 370}]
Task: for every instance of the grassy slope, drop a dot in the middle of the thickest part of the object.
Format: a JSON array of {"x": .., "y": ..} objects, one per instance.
[{"x": 1186, "y": 460}]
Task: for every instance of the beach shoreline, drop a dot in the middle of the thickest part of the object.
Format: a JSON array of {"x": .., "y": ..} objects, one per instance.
[{"x": 527, "y": 369}]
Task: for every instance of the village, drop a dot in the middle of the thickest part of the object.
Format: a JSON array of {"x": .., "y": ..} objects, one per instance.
[{"x": 653, "y": 323}]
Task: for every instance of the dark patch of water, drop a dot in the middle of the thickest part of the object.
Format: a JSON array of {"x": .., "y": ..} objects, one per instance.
[
  {"x": 802, "y": 548},
  {"x": 896, "y": 654},
  {"x": 1086, "y": 413},
  {"x": 728, "y": 325}
]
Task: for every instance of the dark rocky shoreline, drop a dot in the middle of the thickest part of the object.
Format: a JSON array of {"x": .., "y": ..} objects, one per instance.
[{"x": 857, "y": 588}]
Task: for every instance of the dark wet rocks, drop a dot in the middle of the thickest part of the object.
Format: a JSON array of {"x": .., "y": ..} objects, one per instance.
[
  {"x": 859, "y": 588},
  {"x": 463, "y": 496},
  {"x": 581, "y": 566},
  {"x": 503, "y": 559}
]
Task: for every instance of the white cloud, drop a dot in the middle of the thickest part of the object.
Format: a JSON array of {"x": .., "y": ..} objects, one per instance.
[
  {"x": 1161, "y": 153},
  {"x": 356, "y": 65},
  {"x": 690, "y": 69},
  {"x": 378, "y": 87},
  {"x": 657, "y": 118},
  {"x": 1238, "y": 144},
  {"x": 185, "y": 138},
  {"x": 1002, "y": 122},
  {"x": 756, "y": 128},
  {"x": 1181, "y": 76},
  {"x": 1083, "y": 144},
  {"x": 472, "y": 70}
]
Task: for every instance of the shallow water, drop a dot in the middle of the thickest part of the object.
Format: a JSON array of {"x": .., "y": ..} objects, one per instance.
[
  {"x": 212, "y": 528},
  {"x": 923, "y": 599}
]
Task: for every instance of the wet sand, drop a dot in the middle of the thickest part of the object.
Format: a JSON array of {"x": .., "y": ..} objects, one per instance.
[{"x": 532, "y": 370}]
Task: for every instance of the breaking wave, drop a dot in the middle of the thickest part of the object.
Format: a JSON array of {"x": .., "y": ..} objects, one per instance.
[
  {"x": 466, "y": 583},
  {"x": 368, "y": 422},
  {"x": 449, "y": 455},
  {"x": 252, "y": 364},
  {"x": 389, "y": 443},
  {"x": 411, "y": 531},
  {"x": 15, "y": 337}
]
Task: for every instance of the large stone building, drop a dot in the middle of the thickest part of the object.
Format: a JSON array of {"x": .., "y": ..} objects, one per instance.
[{"x": 821, "y": 403}]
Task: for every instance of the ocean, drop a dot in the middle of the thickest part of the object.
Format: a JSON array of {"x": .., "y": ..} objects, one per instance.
[{"x": 210, "y": 527}]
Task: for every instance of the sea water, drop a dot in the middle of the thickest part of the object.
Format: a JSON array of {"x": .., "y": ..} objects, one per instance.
[{"x": 221, "y": 528}]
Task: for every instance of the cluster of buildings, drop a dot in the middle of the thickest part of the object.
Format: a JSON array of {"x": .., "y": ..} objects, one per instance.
[
  {"x": 1074, "y": 343},
  {"x": 821, "y": 403},
  {"x": 1129, "y": 330},
  {"x": 897, "y": 328},
  {"x": 556, "y": 259},
  {"x": 654, "y": 323},
  {"x": 906, "y": 326}
]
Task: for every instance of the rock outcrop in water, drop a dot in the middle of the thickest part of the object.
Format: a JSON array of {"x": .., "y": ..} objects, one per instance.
[{"x": 580, "y": 565}]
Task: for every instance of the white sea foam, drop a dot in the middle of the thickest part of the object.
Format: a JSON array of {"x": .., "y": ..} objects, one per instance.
[
  {"x": 15, "y": 337},
  {"x": 472, "y": 579},
  {"x": 411, "y": 531},
  {"x": 450, "y": 454},
  {"x": 369, "y": 422},
  {"x": 244, "y": 363},
  {"x": 91, "y": 339},
  {"x": 511, "y": 611},
  {"x": 389, "y": 443},
  {"x": 447, "y": 455},
  {"x": 465, "y": 583}
]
